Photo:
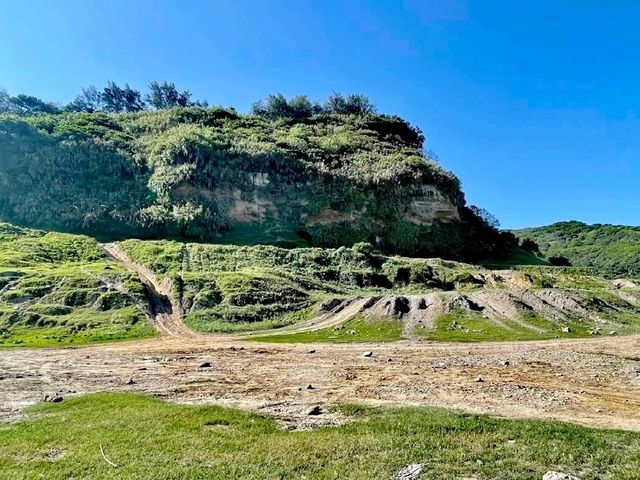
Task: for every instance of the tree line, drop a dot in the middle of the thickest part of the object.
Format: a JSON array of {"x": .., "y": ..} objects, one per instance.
[
  {"x": 300, "y": 106},
  {"x": 111, "y": 99},
  {"x": 114, "y": 98}
]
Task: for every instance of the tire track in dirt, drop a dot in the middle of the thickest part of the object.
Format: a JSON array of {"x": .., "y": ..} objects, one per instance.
[{"x": 165, "y": 312}]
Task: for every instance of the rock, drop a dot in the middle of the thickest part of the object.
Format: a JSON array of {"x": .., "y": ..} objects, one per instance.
[
  {"x": 315, "y": 410},
  {"x": 566, "y": 329},
  {"x": 479, "y": 380},
  {"x": 410, "y": 472},
  {"x": 505, "y": 363},
  {"x": 55, "y": 398},
  {"x": 311, "y": 350},
  {"x": 310, "y": 387},
  {"x": 205, "y": 365},
  {"x": 612, "y": 332},
  {"x": 131, "y": 381},
  {"x": 558, "y": 476},
  {"x": 368, "y": 354},
  {"x": 598, "y": 410}
]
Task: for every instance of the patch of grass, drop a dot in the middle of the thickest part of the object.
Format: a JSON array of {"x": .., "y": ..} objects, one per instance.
[
  {"x": 358, "y": 329},
  {"x": 516, "y": 256},
  {"x": 150, "y": 439},
  {"x": 463, "y": 326}
]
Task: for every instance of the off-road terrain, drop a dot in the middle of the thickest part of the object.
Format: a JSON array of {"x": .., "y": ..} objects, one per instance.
[{"x": 593, "y": 382}]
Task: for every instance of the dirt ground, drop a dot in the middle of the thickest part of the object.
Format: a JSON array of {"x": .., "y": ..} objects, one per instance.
[{"x": 593, "y": 381}]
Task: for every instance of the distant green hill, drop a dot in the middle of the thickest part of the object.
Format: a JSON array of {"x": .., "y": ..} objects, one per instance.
[{"x": 614, "y": 250}]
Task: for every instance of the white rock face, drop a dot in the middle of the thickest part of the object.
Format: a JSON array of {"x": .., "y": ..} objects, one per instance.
[{"x": 558, "y": 476}]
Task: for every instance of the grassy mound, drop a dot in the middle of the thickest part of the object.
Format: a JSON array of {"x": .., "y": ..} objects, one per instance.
[
  {"x": 60, "y": 289},
  {"x": 61, "y": 441}
]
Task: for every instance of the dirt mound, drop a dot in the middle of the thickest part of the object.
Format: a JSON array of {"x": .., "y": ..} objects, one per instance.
[{"x": 504, "y": 307}]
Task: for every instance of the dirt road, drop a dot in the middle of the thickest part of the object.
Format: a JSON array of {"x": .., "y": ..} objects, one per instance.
[
  {"x": 166, "y": 314},
  {"x": 588, "y": 381}
]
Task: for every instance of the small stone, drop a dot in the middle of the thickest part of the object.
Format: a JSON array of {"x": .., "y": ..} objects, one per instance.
[
  {"x": 310, "y": 387},
  {"x": 368, "y": 354},
  {"x": 315, "y": 410},
  {"x": 311, "y": 350},
  {"x": 55, "y": 398},
  {"x": 612, "y": 332},
  {"x": 598, "y": 410},
  {"x": 479, "y": 380},
  {"x": 389, "y": 359},
  {"x": 566, "y": 329},
  {"x": 558, "y": 476},
  {"x": 131, "y": 381},
  {"x": 205, "y": 365},
  {"x": 412, "y": 471},
  {"x": 505, "y": 363}
]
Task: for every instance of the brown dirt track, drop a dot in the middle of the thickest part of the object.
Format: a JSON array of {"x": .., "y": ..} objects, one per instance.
[{"x": 593, "y": 381}]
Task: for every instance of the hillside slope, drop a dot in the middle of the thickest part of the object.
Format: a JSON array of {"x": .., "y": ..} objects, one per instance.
[
  {"x": 614, "y": 250},
  {"x": 212, "y": 174},
  {"x": 223, "y": 288},
  {"x": 60, "y": 289}
]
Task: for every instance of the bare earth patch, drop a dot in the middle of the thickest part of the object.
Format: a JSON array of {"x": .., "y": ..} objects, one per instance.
[{"x": 593, "y": 382}]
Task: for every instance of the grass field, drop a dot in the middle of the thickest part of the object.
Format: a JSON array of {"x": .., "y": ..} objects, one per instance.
[{"x": 150, "y": 439}]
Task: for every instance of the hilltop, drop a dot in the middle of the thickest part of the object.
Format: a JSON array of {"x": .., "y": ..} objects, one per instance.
[
  {"x": 613, "y": 250},
  {"x": 276, "y": 176}
]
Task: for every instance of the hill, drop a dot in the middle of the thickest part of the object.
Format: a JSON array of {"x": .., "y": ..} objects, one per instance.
[
  {"x": 614, "y": 250},
  {"x": 211, "y": 174},
  {"x": 61, "y": 289}
]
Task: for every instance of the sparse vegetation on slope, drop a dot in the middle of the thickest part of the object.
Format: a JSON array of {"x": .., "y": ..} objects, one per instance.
[
  {"x": 232, "y": 288},
  {"x": 171, "y": 441},
  {"x": 59, "y": 289},
  {"x": 613, "y": 250}
]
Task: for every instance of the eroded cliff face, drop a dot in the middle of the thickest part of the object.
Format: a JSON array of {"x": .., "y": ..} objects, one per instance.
[{"x": 320, "y": 214}]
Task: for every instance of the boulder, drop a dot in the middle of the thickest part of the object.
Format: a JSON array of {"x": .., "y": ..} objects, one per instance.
[{"x": 558, "y": 476}]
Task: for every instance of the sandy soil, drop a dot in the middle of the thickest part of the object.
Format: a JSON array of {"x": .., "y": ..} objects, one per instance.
[{"x": 593, "y": 382}]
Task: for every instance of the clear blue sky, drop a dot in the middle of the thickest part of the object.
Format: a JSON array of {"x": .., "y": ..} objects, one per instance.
[{"x": 534, "y": 105}]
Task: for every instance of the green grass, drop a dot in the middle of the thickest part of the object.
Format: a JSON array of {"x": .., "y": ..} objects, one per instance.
[
  {"x": 358, "y": 329},
  {"x": 150, "y": 439},
  {"x": 462, "y": 326},
  {"x": 516, "y": 256},
  {"x": 61, "y": 289}
]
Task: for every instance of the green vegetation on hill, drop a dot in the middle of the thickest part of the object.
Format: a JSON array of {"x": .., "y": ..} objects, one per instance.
[
  {"x": 325, "y": 179},
  {"x": 225, "y": 288},
  {"x": 169, "y": 441},
  {"x": 235, "y": 288},
  {"x": 613, "y": 250},
  {"x": 59, "y": 289}
]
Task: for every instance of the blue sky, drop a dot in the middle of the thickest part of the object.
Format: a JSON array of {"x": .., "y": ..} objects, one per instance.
[{"x": 534, "y": 105}]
